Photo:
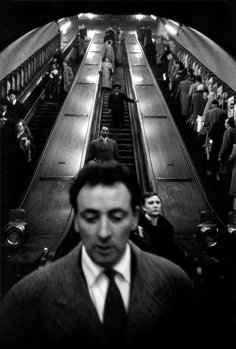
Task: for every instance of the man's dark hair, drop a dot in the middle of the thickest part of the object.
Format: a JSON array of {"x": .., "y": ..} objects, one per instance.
[
  {"x": 231, "y": 122},
  {"x": 106, "y": 173},
  {"x": 147, "y": 195},
  {"x": 198, "y": 78},
  {"x": 215, "y": 102}
]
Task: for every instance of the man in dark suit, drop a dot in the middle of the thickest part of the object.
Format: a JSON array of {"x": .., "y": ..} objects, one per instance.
[
  {"x": 64, "y": 304},
  {"x": 103, "y": 148},
  {"x": 214, "y": 114},
  {"x": 116, "y": 104},
  {"x": 14, "y": 105}
]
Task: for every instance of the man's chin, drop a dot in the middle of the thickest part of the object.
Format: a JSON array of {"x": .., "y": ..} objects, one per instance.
[{"x": 105, "y": 257}]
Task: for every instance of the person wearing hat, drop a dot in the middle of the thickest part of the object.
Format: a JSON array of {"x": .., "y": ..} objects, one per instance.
[
  {"x": 116, "y": 104},
  {"x": 14, "y": 105}
]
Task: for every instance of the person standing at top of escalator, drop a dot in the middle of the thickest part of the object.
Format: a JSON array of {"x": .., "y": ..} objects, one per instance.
[{"x": 116, "y": 104}]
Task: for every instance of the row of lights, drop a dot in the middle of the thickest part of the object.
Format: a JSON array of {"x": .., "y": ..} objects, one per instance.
[
  {"x": 16, "y": 234},
  {"x": 171, "y": 26}
]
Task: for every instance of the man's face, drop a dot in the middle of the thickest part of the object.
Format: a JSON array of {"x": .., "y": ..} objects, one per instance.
[
  {"x": 152, "y": 206},
  {"x": 104, "y": 220},
  {"x": 116, "y": 89},
  {"x": 104, "y": 132},
  {"x": 12, "y": 97}
]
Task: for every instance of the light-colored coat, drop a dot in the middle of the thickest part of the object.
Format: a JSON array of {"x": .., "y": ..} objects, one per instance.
[
  {"x": 106, "y": 69},
  {"x": 183, "y": 93},
  {"x": 68, "y": 77}
]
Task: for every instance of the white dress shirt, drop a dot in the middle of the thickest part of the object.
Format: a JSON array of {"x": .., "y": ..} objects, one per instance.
[{"x": 98, "y": 282}]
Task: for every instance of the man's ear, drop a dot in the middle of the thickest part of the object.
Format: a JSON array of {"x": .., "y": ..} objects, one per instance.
[{"x": 144, "y": 209}]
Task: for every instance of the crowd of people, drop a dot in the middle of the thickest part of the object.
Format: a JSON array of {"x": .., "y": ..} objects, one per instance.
[
  {"x": 17, "y": 141},
  {"x": 112, "y": 56},
  {"x": 59, "y": 77},
  {"x": 196, "y": 106}
]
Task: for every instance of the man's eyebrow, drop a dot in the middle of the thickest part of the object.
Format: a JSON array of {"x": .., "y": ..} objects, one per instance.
[
  {"x": 89, "y": 210},
  {"x": 118, "y": 209}
]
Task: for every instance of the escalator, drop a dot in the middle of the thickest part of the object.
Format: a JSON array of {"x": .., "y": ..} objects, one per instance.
[
  {"x": 123, "y": 134},
  {"x": 42, "y": 123},
  {"x": 41, "y": 115}
]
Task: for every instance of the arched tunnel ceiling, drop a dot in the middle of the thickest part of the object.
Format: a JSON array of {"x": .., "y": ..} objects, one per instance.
[{"x": 215, "y": 18}]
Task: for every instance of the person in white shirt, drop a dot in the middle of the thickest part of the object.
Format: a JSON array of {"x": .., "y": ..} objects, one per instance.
[{"x": 62, "y": 305}]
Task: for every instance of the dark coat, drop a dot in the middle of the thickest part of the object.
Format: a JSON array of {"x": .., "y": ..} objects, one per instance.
[
  {"x": 159, "y": 240},
  {"x": 183, "y": 94},
  {"x": 16, "y": 108},
  {"x": 212, "y": 116},
  {"x": 216, "y": 134},
  {"x": 103, "y": 151},
  {"x": 116, "y": 104},
  {"x": 232, "y": 159},
  {"x": 229, "y": 139},
  {"x": 52, "y": 308}
]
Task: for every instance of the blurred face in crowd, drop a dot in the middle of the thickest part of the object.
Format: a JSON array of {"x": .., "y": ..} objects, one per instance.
[
  {"x": 104, "y": 132},
  {"x": 116, "y": 89},
  {"x": 104, "y": 220},
  {"x": 226, "y": 123},
  {"x": 152, "y": 206},
  {"x": 20, "y": 127},
  {"x": 12, "y": 97}
]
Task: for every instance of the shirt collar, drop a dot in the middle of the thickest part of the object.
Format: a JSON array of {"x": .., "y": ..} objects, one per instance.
[
  {"x": 150, "y": 219},
  {"x": 92, "y": 271},
  {"x": 104, "y": 139}
]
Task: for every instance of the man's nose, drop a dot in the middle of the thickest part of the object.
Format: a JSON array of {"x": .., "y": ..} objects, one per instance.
[{"x": 104, "y": 230}]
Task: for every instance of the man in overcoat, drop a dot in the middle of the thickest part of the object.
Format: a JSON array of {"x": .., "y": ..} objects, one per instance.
[
  {"x": 103, "y": 148},
  {"x": 116, "y": 104}
]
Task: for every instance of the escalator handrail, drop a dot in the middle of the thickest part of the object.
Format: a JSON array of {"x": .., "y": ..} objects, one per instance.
[
  {"x": 138, "y": 124},
  {"x": 54, "y": 252}
]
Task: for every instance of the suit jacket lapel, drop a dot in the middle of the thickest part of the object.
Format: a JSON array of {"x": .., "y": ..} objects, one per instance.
[
  {"x": 77, "y": 303},
  {"x": 144, "y": 307}
]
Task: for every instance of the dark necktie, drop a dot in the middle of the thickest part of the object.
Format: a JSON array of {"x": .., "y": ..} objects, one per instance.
[{"x": 114, "y": 319}]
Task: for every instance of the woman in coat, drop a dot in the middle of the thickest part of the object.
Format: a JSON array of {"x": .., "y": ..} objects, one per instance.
[
  {"x": 106, "y": 70},
  {"x": 68, "y": 76}
]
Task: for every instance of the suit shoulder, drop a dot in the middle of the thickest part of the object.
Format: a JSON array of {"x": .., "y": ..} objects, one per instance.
[{"x": 160, "y": 267}]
